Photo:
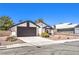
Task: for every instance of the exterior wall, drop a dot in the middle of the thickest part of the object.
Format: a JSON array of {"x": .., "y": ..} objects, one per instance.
[
  {"x": 39, "y": 31},
  {"x": 41, "y": 25},
  {"x": 52, "y": 32},
  {"x": 76, "y": 30},
  {"x": 14, "y": 29},
  {"x": 49, "y": 30},
  {"x": 66, "y": 31},
  {"x": 44, "y": 28},
  {"x": 32, "y": 25}
]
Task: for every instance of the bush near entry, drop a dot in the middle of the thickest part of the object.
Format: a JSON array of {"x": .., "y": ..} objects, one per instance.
[{"x": 45, "y": 34}]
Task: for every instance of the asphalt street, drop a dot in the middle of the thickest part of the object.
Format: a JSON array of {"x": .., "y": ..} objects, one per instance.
[{"x": 70, "y": 48}]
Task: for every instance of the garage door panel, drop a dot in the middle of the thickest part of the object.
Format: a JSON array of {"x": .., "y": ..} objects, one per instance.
[{"x": 26, "y": 31}]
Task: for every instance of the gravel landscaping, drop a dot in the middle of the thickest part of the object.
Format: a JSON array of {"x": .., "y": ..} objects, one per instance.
[
  {"x": 4, "y": 42},
  {"x": 63, "y": 37}
]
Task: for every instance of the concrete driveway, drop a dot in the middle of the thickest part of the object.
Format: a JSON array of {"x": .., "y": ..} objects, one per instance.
[{"x": 38, "y": 41}]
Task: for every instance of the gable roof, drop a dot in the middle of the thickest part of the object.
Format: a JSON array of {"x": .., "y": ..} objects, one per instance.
[
  {"x": 44, "y": 25},
  {"x": 25, "y": 22},
  {"x": 65, "y": 25},
  {"x": 77, "y": 26},
  {"x": 47, "y": 25}
]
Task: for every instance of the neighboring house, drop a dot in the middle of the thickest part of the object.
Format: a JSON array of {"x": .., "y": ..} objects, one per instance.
[
  {"x": 67, "y": 28},
  {"x": 44, "y": 28},
  {"x": 26, "y": 28},
  {"x": 29, "y": 28}
]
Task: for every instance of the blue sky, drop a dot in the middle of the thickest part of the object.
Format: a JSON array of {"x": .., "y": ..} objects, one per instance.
[{"x": 51, "y": 13}]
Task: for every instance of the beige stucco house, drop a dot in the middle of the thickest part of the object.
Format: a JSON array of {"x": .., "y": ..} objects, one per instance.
[
  {"x": 29, "y": 28},
  {"x": 45, "y": 28}
]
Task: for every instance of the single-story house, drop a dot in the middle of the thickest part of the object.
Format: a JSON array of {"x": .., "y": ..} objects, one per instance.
[
  {"x": 28, "y": 28},
  {"x": 67, "y": 28},
  {"x": 45, "y": 28}
]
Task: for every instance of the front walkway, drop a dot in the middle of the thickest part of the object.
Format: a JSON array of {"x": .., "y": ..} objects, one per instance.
[{"x": 38, "y": 41}]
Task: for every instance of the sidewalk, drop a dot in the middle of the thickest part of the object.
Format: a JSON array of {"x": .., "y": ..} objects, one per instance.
[{"x": 64, "y": 41}]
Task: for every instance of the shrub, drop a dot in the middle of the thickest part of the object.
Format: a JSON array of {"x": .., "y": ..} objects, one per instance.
[
  {"x": 11, "y": 39},
  {"x": 45, "y": 34}
]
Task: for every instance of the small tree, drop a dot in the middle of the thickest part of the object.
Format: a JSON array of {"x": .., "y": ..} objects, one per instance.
[{"x": 5, "y": 22}]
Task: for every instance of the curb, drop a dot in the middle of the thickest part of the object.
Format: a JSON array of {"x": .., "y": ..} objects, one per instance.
[
  {"x": 64, "y": 41},
  {"x": 2, "y": 47},
  {"x": 15, "y": 45}
]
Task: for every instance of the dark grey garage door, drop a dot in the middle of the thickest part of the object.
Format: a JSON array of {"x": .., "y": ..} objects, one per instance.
[{"x": 26, "y": 31}]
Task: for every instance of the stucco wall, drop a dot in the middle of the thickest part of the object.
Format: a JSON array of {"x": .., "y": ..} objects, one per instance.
[
  {"x": 52, "y": 32},
  {"x": 32, "y": 25},
  {"x": 76, "y": 30},
  {"x": 40, "y": 30},
  {"x": 14, "y": 29}
]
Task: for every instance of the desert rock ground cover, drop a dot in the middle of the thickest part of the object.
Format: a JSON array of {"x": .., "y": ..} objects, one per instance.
[
  {"x": 63, "y": 37},
  {"x": 4, "y": 42}
]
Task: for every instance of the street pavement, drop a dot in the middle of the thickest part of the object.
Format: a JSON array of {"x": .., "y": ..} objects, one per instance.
[{"x": 68, "y": 48}]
